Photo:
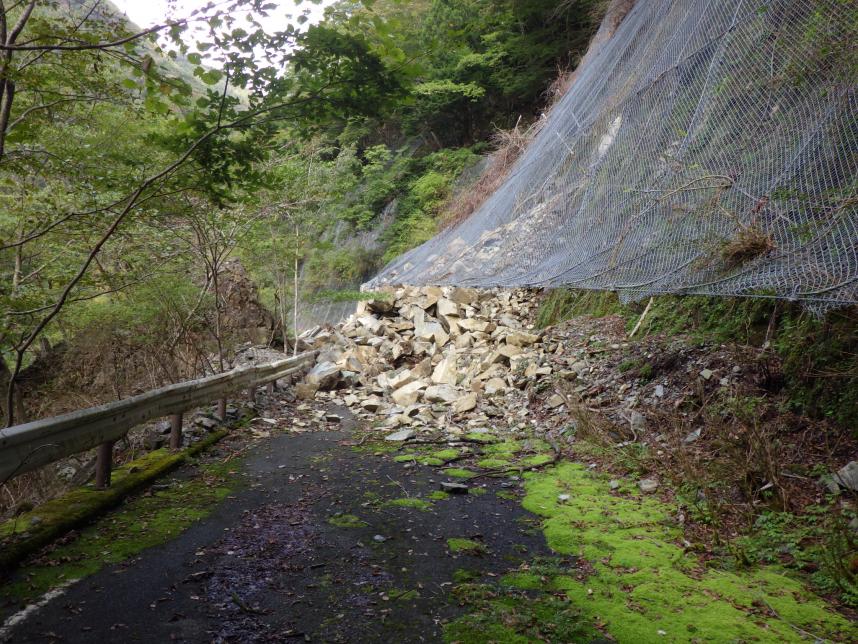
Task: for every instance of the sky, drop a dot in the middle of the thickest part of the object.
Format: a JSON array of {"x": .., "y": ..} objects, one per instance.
[{"x": 146, "y": 13}]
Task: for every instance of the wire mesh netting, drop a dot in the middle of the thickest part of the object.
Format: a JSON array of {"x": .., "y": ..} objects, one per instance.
[{"x": 708, "y": 147}]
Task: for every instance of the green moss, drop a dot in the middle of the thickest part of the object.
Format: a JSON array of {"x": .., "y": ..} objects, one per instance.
[
  {"x": 537, "y": 459},
  {"x": 493, "y": 463},
  {"x": 417, "y": 504},
  {"x": 506, "y": 494},
  {"x": 644, "y": 582},
  {"x": 477, "y": 491},
  {"x": 399, "y": 595},
  {"x": 501, "y": 615},
  {"x": 431, "y": 461},
  {"x": 30, "y": 531},
  {"x": 405, "y": 458},
  {"x": 458, "y": 472},
  {"x": 438, "y": 495},
  {"x": 563, "y": 304},
  {"x": 505, "y": 449},
  {"x": 523, "y": 581},
  {"x": 347, "y": 521},
  {"x": 142, "y": 522},
  {"x": 466, "y": 546},
  {"x": 481, "y": 438},
  {"x": 461, "y": 576},
  {"x": 446, "y": 454}
]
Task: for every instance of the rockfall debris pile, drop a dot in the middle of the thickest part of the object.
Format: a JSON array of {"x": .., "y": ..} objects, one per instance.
[
  {"x": 455, "y": 364},
  {"x": 433, "y": 360}
]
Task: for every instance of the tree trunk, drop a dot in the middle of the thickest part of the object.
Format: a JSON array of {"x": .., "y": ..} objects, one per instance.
[{"x": 295, "y": 298}]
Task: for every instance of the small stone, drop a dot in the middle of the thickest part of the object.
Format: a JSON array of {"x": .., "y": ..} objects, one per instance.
[
  {"x": 562, "y": 498},
  {"x": 379, "y": 538},
  {"x": 638, "y": 421},
  {"x": 522, "y": 339},
  {"x": 693, "y": 436},
  {"x": 208, "y": 423},
  {"x": 400, "y": 436},
  {"x": 372, "y": 404},
  {"x": 659, "y": 391},
  {"x": 648, "y": 486},
  {"x": 555, "y": 401},
  {"x": 454, "y": 488},
  {"x": 614, "y": 484},
  {"x": 580, "y": 367},
  {"x": 706, "y": 374},
  {"x": 440, "y": 393}
]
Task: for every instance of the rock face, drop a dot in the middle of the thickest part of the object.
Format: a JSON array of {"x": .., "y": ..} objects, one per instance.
[
  {"x": 847, "y": 476},
  {"x": 245, "y": 316}
]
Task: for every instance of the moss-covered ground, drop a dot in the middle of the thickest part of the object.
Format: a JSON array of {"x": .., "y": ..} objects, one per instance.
[
  {"x": 141, "y": 522},
  {"x": 646, "y": 587}
]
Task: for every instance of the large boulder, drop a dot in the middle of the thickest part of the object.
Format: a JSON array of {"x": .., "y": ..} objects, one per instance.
[{"x": 326, "y": 375}]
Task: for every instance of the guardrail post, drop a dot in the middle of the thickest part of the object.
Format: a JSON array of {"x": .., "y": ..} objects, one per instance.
[
  {"x": 175, "y": 431},
  {"x": 270, "y": 388},
  {"x": 221, "y": 409},
  {"x": 103, "y": 465},
  {"x": 251, "y": 393}
]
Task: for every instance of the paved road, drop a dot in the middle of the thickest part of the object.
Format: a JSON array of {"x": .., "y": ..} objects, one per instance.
[{"x": 267, "y": 566}]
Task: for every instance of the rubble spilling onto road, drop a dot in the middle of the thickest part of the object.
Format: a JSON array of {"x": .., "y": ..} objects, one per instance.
[{"x": 440, "y": 360}]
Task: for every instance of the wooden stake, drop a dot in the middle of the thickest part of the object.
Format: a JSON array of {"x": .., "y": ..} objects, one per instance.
[
  {"x": 175, "y": 431},
  {"x": 221, "y": 409},
  {"x": 103, "y": 465}
]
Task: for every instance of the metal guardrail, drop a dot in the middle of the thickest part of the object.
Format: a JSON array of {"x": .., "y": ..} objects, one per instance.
[{"x": 32, "y": 445}]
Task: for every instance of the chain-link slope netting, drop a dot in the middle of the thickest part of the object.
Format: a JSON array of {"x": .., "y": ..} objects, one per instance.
[{"x": 709, "y": 146}]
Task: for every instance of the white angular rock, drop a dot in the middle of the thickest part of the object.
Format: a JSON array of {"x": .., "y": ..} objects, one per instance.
[
  {"x": 400, "y": 436},
  {"x": 466, "y": 403},
  {"x": 446, "y": 370},
  {"x": 495, "y": 386},
  {"x": 370, "y": 322},
  {"x": 326, "y": 375},
  {"x": 555, "y": 401},
  {"x": 521, "y": 339},
  {"x": 447, "y": 307},
  {"x": 440, "y": 393},
  {"x": 408, "y": 394}
]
